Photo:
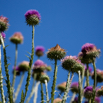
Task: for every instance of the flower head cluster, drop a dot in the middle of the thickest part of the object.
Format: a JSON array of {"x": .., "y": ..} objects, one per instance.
[
  {"x": 39, "y": 51},
  {"x": 57, "y": 100},
  {"x": 16, "y": 38},
  {"x": 56, "y": 53},
  {"x": 72, "y": 63},
  {"x": 74, "y": 87},
  {"x": 88, "y": 53},
  {"x": 32, "y": 17},
  {"x": 23, "y": 66},
  {"x": 39, "y": 66},
  {"x": 99, "y": 75},
  {"x": 3, "y": 23},
  {"x": 62, "y": 86},
  {"x": 3, "y": 35}
]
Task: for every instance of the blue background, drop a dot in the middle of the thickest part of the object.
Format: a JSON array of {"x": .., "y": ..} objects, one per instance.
[{"x": 69, "y": 23}]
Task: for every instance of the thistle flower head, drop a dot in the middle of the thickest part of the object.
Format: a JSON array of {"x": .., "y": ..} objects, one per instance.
[
  {"x": 23, "y": 66},
  {"x": 16, "y": 38},
  {"x": 43, "y": 78},
  {"x": 99, "y": 75},
  {"x": 100, "y": 91},
  {"x": 74, "y": 87},
  {"x": 39, "y": 66},
  {"x": 32, "y": 17},
  {"x": 88, "y": 92},
  {"x": 3, "y": 23},
  {"x": 57, "y": 100},
  {"x": 88, "y": 53},
  {"x": 56, "y": 53},
  {"x": 62, "y": 86},
  {"x": 17, "y": 70},
  {"x": 39, "y": 51},
  {"x": 72, "y": 63}
]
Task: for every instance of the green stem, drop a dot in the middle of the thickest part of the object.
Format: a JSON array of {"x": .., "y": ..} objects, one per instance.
[
  {"x": 80, "y": 95},
  {"x": 87, "y": 76},
  {"x": 73, "y": 96},
  {"x": 30, "y": 64},
  {"x": 14, "y": 75},
  {"x": 42, "y": 93},
  {"x": 32, "y": 91},
  {"x": 95, "y": 78},
  {"x": 67, "y": 87},
  {"x": 19, "y": 86},
  {"x": 47, "y": 96},
  {"x": 54, "y": 82},
  {"x": 7, "y": 72},
  {"x": 1, "y": 81}
]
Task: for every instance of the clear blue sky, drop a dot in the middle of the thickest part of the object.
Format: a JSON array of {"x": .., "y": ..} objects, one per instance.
[{"x": 69, "y": 23}]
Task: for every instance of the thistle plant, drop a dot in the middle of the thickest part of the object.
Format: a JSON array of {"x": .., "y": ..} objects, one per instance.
[{"x": 55, "y": 53}]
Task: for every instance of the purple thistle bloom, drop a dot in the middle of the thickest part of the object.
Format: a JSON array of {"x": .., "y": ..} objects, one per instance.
[
  {"x": 74, "y": 87},
  {"x": 32, "y": 12},
  {"x": 97, "y": 100},
  {"x": 3, "y": 35},
  {"x": 87, "y": 47},
  {"x": 89, "y": 88},
  {"x": 39, "y": 64},
  {"x": 17, "y": 68},
  {"x": 74, "y": 84},
  {"x": 75, "y": 100},
  {"x": 40, "y": 48}
]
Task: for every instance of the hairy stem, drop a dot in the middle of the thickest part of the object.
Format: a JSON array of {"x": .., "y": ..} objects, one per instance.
[
  {"x": 42, "y": 93},
  {"x": 7, "y": 72},
  {"x": 19, "y": 86},
  {"x": 54, "y": 82},
  {"x": 67, "y": 87},
  {"x": 80, "y": 95},
  {"x": 73, "y": 96},
  {"x": 1, "y": 81},
  {"x": 47, "y": 96},
  {"x": 30, "y": 64},
  {"x": 95, "y": 78},
  {"x": 87, "y": 76},
  {"x": 14, "y": 75}
]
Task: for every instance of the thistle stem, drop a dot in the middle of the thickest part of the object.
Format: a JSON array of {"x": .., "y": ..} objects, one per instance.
[
  {"x": 87, "y": 76},
  {"x": 73, "y": 96},
  {"x": 67, "y": 87},
  {"x": 54, "y": 82},
  {"x": 36, "y": 91},
  {"x": 6, "y": 70},
  {"x": 47, "y": 96},
  {"x": 80, "y": 95},
  {"x": 14, "y": 75},
  {"x": 30, "y": 64},
  {"x": 42, "y": 93},
  {"x": 1, "y": 81},
  {"x": 95, "y": 78},
  {"x": 32, "y": 91},
  {"x": 19, "y": 86}
]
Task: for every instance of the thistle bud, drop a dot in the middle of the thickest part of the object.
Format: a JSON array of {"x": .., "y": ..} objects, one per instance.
[{"x": 62, "y": 86}]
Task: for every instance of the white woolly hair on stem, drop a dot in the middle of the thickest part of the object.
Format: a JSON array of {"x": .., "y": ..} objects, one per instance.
[
  {"x": 73, "y": 96},
  {"x": 1, "y": 81},
  {"x": 36, "y": 92},
  {"x": 19, "y": 86},
  {"x": 47, "y": 96}
]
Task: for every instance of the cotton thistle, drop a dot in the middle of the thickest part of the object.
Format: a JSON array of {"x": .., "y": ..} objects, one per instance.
[
  {"x": 88, "y": 55},
  {"x": 3, "y": 23},
  {"x": 17, "y": 38},
  {"x": 32, "y": 17},
  {"x": 23, "y": 66},
  {"x": 55, "y": 53},
  {"x": 39, "y": 51}
]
